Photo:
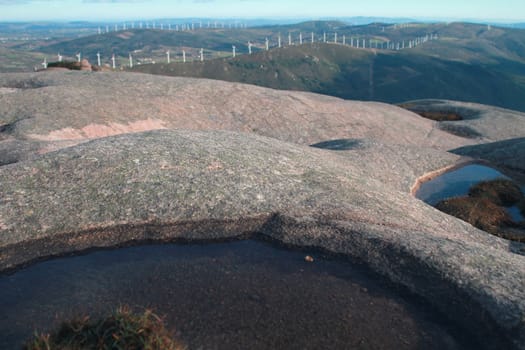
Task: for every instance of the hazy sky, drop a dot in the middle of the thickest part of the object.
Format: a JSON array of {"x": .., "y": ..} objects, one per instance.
[{"x": 506, "y": 10}]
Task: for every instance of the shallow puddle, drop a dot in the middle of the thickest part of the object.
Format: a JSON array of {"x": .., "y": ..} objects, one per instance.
[
  {"x": 237, "y": 295},
  {"x": 456, "y": 183}
]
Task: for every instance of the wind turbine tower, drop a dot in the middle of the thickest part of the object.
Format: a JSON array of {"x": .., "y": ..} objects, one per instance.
[
  {"x": 267, "y": 44},
  {"x": 289, "y": 39},
  {"x": 44, "y": 64},
  {"x": 79, "y": 56},
  {"x": 183, "y": 56},
  {"x": 324, "y": 37},
  {"x": 130, "y": 61},
  {"x": 59, "y": 57},
  {"x": 202, "y": 54},
  {"x": 300, "y": 38},
  {"x": 98, "y": 59},
  {"x": 313, "y": 37},
  {"x": 250, "y": 47},
  {"x": 279, "y": 40},
  {"x": 168, "y": 56},
  {"x": 113, "y": 61},
  {"x": 233, "y": 49},
  {"x": 335, "y": 38}
]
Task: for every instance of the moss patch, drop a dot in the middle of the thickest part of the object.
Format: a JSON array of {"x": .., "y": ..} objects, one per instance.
[
  {"x": 120, "y": 330},
  {"x": 501, "y": 192}
]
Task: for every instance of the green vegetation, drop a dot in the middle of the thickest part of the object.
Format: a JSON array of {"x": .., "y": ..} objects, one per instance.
[
  {"x": 467, "y": 63},
  {"x": 120, "y": 330},
  {"x": 484, "y": 208},
  {"x": 65, "y": 64}
]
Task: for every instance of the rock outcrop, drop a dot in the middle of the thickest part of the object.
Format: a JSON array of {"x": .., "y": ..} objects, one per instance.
[{"x": 97, "y": 160}]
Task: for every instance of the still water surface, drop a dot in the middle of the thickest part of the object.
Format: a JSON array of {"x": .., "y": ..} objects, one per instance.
[{"x": 237, "y": 295}]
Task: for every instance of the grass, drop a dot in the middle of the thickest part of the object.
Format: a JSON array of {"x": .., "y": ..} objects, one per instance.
[
  {"x": 120, "y": 330},
  {"x": 501, "y": 192}
]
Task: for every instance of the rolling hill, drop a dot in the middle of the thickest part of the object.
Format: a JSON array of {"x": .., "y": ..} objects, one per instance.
[{"x": 469, "y": 62}]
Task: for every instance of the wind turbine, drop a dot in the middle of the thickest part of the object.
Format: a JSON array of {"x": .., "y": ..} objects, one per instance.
[
  {"x": 250, "y": 47},
  {"x": 183, "y": 56},
  {"x": 289, "y": 39},
  {"x": 113, "y": 61},
  {"x": 202, "y": 54},
  {"x": 313, "y": 37},
  {"x": 267, "y": 43},
  {"x": 168, "y": 56},
  {"x": 279, "y": 40},
  {"x": 233, "y": 49},
  {"x": 335, "y": 38},
  {"x": 98, "y": 59},
  {"x": 300, "y": 38},
  {"x": 44, "y": 64},
  {"x": 130, "y": 61},
  {"x": 78, "y": 55},
  {"x": 59, "y": 57}
]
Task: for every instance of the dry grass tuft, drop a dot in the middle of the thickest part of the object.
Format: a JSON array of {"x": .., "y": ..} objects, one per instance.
[
  {"x": 478, "y": 211},
  {"x": 501, "y": 192},
  {"x": 120, "y": 330}
]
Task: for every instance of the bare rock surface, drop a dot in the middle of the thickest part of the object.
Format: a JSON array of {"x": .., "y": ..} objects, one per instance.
[
  {"x": 508, "y": 155},
  {"x": 207, "y": 185},
  {"x": 488, "y": 123},
  {"x": 102, "y": 159},
  {"x": 56, "y": 106}
]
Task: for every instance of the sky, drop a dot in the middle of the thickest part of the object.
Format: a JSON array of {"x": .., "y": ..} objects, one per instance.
[{"x": 28, "y": 10}]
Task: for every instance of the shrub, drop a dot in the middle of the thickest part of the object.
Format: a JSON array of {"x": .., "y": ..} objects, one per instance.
[
  {"x": 120, "y": 330},
  {"x": 501, "y": 192}
]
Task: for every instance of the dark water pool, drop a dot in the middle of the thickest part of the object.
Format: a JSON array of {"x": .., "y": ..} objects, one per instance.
[
  {"x": 237, "y": 295},
  {"x": 456, "y": 183}
]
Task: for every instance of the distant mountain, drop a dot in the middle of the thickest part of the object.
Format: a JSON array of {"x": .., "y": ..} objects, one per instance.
[{"x": 469, "y": 63}]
